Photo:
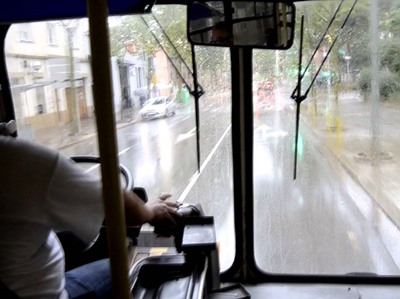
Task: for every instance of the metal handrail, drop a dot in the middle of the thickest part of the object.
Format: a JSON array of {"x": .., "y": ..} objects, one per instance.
[{"x": 102, "y": 93}]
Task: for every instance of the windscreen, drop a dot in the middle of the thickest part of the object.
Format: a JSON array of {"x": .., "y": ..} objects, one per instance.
[{"x": 341, "y": 213}]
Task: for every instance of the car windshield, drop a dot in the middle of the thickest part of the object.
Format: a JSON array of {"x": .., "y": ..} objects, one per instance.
[
  {"x": 341, "y": 214},
  {"x": 157, "y": 101}
]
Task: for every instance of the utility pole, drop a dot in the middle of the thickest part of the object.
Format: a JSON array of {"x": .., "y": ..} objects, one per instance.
[
  {"x": 375, "y": 94},
  {"x": 348, "y": 58},
  {"x": 70, "y": 27}
]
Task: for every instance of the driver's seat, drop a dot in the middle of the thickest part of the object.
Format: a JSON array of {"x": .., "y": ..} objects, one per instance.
[{"x": 76, "y": 252}]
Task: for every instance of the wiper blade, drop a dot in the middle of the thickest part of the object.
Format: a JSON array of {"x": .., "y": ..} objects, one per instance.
[
  {"x": 195, "y": 89},
  {"x": 299, "y": 97},
  {"x": 152, "y": 28},
  {"x": 317, "y": 48},
  {"x": 330, "y": 48}
]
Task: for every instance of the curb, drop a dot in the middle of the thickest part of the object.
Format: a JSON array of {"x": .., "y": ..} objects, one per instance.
[{"x": 92, "y": 135}]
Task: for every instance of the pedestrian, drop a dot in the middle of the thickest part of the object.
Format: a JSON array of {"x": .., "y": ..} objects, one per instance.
[{"x": 142, "y": 94}]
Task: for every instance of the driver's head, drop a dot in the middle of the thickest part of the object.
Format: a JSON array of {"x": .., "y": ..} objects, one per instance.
[{"x": 222, "y": 34}]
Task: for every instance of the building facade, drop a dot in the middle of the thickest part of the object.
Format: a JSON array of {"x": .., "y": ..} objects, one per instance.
[{"x": 50, "y": 75}]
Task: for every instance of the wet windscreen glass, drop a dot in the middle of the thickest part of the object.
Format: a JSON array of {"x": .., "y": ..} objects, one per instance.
[
  {"x": 49, "y": 71},
  {"x": 341, "y": 214}
]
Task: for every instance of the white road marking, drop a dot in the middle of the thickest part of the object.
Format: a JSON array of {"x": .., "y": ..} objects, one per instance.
[
  {"x": 124, "y": 151},
  {"x": 193, "y": 180},
  {"x": 98, "y": 165},
  {"x": 92, "y": 168},
  {"x": 184, "y": 136}
]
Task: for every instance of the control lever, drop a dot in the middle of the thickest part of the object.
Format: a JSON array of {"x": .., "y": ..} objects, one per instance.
[
  {"x": 189, "y": 210},
  {"x": 186, "y": 210}
]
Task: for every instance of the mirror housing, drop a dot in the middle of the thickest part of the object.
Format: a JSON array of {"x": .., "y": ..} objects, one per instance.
[{"x": 255, "y": 24}]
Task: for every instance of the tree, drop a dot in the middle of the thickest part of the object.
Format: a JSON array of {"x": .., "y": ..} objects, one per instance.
[
  {"x": 390, "y": 55},
  {"x": 212, "y": 63}
]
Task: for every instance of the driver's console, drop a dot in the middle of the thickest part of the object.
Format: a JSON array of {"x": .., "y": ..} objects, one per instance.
[{"x": 193, "y": 272}]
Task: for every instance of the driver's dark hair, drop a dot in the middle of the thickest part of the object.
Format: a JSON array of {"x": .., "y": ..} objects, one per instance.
[{"x": 225, "y": 26}]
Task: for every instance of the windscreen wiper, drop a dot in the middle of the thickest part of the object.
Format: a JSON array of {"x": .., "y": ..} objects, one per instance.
[
  {"x": 195, "y": 89},
  {"x": 156, "y": 24},
  {"x": 299, "y": 97},
  {"x": 317, "y": 48}
]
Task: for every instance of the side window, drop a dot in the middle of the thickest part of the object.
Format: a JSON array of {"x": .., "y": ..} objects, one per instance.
[
  {"x": 53, "y": 105},
  {"x": 53, "y": 100}
]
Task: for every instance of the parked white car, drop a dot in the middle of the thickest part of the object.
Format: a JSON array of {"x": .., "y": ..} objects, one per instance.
[{"x": 159, "y": 106}]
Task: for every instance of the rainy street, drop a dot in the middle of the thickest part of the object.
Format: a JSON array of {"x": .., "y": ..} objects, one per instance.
[
  {"x": 322, "y": 222},
  {"x": 318, "y": 223}
]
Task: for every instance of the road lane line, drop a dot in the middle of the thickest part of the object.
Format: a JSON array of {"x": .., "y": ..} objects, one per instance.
[
  {"x": 124, "y": 151},
  {"x": 97, "y": 165},
  {"x": 91, "y": 168},
  {"x": 193, "y": 180},
  {"x": 184, "y": 136}
]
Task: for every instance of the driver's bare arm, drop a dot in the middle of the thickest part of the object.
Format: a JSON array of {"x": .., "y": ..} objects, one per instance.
[{"x": 156, "y": 211}]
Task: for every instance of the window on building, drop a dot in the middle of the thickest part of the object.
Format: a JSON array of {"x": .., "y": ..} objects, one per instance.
[
  {"x": 25, "y": 34},
  {"x": 40, "y": 100},
  {"x": 51, "y": 34}
]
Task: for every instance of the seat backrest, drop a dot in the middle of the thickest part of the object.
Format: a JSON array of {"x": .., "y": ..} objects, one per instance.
[
  {"x": 6, "y": 293},
  {"x": 77, "y": 252}
]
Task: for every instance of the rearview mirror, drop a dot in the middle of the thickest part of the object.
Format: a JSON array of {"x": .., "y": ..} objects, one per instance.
[{"x": 256, "y": 24}]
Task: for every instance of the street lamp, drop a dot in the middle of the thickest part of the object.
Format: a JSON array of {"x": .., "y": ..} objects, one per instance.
[{"x": 348, "y": 58}]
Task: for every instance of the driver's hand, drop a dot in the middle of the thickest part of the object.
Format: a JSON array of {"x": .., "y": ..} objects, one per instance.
[{"x": 164, "y": 211}]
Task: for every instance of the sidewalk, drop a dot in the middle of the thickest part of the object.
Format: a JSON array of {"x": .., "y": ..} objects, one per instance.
[
  {"x": 351, "y": 143},
  {"x": 60, "y": 137}
]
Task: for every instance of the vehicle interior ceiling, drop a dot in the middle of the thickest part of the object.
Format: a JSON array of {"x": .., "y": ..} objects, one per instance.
[{"x": 244, "y": 268}]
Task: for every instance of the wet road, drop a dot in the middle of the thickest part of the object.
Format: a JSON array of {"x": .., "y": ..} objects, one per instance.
[{"x": 316, "y": 224}]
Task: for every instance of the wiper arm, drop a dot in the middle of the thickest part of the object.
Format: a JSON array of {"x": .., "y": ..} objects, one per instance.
[
  {"x": 178, "y": 71},
  {"x": 300, "y": 98},
  {"x": 317, "y": 48},
  {"x": 330, "y": 48},
  {"x": 195, "y": 89}
]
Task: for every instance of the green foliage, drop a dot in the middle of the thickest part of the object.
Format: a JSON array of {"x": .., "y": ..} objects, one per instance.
[
  {"x": 137, "y": 30},
  {"x": 263, "y": 64},
  {"x": 214, "y": 67},
  {"x": 175, "y": 28},
  {"x": 213, "y": 63},
  {"x": 389, "y": 83},
  {"x": 364, "y": 82},
  {"x": 128, "y": 28},
  {"x": 390, "y": 55},
  {"x": 391, "y": 18}
]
